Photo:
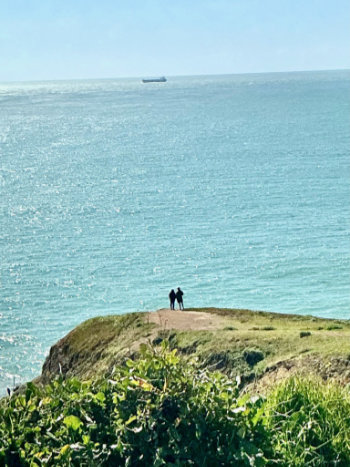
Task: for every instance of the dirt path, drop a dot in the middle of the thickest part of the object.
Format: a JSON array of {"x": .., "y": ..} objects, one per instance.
[{"x": 185, "y": 320}]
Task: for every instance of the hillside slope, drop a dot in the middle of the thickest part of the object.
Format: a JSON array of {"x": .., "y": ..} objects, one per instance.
[{"x": 259, "y": 346}]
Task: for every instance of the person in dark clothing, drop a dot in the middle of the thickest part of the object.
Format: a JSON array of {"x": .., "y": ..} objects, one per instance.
[
  {"x": 172, "y": 297},
  {"x": 179, "y": 294}
]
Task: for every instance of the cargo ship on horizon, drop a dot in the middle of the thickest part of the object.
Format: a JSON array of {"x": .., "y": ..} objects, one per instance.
[{"x": 162, "y": 79}]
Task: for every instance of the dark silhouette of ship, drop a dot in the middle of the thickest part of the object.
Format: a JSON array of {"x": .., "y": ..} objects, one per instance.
[{"x": 162, "y": 79}]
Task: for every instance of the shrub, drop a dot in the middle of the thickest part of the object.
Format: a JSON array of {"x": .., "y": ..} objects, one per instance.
[
  {"x": 154, "y": 411},
  {"x": 159, "y": 410},
  {"x": 253, "y": 356}
]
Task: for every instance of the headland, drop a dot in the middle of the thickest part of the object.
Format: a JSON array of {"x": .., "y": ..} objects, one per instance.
[{"x": 259, "y": 346}]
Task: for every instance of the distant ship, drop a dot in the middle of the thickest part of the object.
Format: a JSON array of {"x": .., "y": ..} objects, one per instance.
[{"x": 162, "y": 79}]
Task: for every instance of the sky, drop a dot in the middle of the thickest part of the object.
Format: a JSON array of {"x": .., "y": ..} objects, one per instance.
[{"x": 68, "y": 39}]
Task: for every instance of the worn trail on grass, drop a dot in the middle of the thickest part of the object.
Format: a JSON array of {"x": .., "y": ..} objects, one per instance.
[
  {"x": 288, "y": 344},
  {"x": 185, "y": 320}
]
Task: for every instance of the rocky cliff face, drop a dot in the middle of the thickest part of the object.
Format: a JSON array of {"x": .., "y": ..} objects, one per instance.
[
  {"x": 59, "y": 361},
  {"x": 91, "y": 349},
  {"x": 65, "y": 360}
]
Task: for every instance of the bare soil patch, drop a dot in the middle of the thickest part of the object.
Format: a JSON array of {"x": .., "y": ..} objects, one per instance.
[{"x": 185, "y": 320}]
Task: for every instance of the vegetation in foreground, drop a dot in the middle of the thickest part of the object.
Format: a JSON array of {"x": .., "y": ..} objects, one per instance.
[{"x": 159, "y": 410}]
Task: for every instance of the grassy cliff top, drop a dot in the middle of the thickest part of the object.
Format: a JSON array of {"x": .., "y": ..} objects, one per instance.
[{"x": 256, "y": 345}]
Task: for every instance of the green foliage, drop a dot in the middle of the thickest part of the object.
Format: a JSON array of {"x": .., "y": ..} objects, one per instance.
[
  {"x": 155, "y": 411},
  {"x": 310, "y": 423},
  {"x": 160, "y": 410}
]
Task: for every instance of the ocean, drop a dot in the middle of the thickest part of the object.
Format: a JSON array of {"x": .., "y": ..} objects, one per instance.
[{"x": 235, "y": 188}]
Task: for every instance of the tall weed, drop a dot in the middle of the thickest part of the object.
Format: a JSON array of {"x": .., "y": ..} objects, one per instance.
[{"x": 309, "y": 422}]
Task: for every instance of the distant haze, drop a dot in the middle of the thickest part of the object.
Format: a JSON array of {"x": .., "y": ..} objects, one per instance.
[{"x": 64, "y": 39}]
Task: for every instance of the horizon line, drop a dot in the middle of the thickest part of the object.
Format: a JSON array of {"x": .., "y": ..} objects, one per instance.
[{"x": 172, "y": 76}]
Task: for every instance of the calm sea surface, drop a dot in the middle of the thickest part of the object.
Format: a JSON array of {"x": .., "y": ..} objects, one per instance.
[{"x": 235, "y": 188}]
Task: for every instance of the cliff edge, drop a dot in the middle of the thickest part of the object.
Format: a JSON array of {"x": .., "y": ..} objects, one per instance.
[{"x": 261, "y": 347}]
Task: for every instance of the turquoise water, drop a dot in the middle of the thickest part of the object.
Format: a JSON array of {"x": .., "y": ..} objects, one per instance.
[{"x": 235, "y": 188}]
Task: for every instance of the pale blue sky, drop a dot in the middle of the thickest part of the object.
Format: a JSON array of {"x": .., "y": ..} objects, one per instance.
[{"x": 63, "y": 39}]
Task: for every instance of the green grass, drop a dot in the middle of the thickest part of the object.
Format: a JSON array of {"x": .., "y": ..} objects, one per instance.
[
  {"x": 310, "y": 422},
  {"x": 93, "y": 348},
  {"x": 282, "y": 341}
]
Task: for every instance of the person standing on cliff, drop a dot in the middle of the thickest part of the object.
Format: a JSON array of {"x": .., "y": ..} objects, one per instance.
[
  {"x": 179, "y": 294},
  {"x": 172, "y": 296}
]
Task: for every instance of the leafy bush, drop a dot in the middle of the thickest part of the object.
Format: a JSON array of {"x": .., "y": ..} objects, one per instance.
[
  {"x": 155, "y": 411},
  {"x": 159, "y": 410},
  {"x": 309, "y": 423}
]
